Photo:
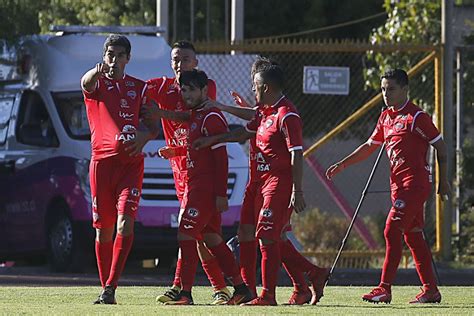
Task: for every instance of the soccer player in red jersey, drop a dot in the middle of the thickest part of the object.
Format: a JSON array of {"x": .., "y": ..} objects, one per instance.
[
  {"x": 166, "y": 93},
  {"x": 113, "y": 100},
  {"x": 407, "y": 131},
  {"x": 278, "y": 131},
  {"x": 206, "y": 192}
]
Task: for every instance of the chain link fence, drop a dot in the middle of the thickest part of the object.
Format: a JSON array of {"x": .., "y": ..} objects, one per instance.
[{"x": 320, "y": 114}]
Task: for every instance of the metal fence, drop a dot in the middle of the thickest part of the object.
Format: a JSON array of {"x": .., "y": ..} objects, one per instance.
[{"x": 321, "y": 113}]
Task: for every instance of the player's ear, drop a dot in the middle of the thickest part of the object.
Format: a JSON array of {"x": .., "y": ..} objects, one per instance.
[{"x": 266, "y": 87}]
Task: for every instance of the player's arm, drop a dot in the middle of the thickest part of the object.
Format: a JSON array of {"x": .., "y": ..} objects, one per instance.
[
  {"x": 152, "y": 112},
  {"x": 237, "y": 135},
  {"x": 444, "y": 188},
  {"x": 297, "y": 198},
  {"x": 241, "y": 112},
  {"x": 361, "y": 153},
  {"x": 89, "y": 80}
]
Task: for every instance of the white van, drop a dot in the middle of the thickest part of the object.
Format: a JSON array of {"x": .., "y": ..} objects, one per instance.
[{"x": 45, "y": 206}]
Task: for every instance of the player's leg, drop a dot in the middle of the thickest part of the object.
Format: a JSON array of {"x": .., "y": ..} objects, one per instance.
[
  {"x": 246, "y": 233},
  {"x": 420, "y": 250},
  {"x": 129, "y": 187},
  {"x": 104, "y": 217},
  {"x": 213, "y": 237}
]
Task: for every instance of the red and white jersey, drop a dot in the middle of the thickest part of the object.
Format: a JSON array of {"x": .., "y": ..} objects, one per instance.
[
  {"x": 279, "y": 130},
  {"x": 207, "y": 167},
  {"x": 407, "y": 134},
  {"x": 167, "y": 94},
  {"x": 113, "y": 112}
]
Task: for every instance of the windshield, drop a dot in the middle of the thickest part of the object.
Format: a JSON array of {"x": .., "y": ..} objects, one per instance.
[
  {"x": 73, "y": 114},
  {"x": 72, "y": 111}
]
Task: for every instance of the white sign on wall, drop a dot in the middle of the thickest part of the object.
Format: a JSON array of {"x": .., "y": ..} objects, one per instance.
[{"x": 326, "y": 80}]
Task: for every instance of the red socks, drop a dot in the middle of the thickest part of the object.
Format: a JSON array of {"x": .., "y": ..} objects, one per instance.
[
  {"x": 271, "y": 260},
  {"x": 189, "y": 261},
  {"x": 393, "y": 254},
  {"x": 103, "y": 253},
  {"x": 122, "y": 246},
  {"x": 214, "y": 274},
  {"x": 422, "y": 256},
  {"x": 177, "y": 273},
  {"x": 248, "y": 264},
  {"x": 227, "y": 262}
]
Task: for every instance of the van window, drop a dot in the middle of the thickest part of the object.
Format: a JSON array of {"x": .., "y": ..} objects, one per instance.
[
  {"x": 34, "y": 125},
  {"x": 6, "y": 105},
  {"x": 72, "y": 112}
]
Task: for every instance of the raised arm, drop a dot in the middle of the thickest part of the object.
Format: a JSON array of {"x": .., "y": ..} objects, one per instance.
[
  {"x": 89, "y": 80},
  {"x": 243, "y": 113},
  {"x": 237, "y": 135}
]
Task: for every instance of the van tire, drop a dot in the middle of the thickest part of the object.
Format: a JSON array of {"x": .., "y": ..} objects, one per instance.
[{"x": 63, "y": 248}]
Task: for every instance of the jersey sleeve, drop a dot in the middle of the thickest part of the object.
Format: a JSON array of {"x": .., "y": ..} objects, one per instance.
[
  {"x": 377, "y": 137},
  {"x": 215, "y": 124},
  {"x": 211, "y": 89},
  {"x": 154, "y": 91},
  {"x": 292, "y": 129},
  {"x": 94, "y": 94},
  {"x": 424, "y": 127}
]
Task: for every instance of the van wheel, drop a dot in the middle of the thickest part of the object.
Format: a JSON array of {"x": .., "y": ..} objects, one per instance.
[{"x": 63, "y": 254}]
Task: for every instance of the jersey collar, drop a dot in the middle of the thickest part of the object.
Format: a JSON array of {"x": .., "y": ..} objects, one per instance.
[{"x": 400, "y": 109}]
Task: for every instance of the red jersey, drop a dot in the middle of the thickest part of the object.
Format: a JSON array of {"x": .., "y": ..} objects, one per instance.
[
  {"x": 113, "y": 114},
  {"x": 207, "y": 167},
  {"x": 407, "y": 134},
  {"x": 279, "y": 131},
  {"x": 167, "y": 94}
]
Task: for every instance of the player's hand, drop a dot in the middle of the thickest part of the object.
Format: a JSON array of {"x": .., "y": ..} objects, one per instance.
[
  {"x": 150, "y": 112},
  {"x": 222, "y": 204},
  {"x": 171, "y": 152},
  {"x": 209, "y": 103},
  {"x": 297, "y": 201},
  {"x": 444, "y": 189},
  {"x": 135, "y": 146},
  {"x": 203, "y": 142},
  {"x": 102, "y": 68},
  {"x": 239, "y": 100},
  {"x": 334, "y": 169}
]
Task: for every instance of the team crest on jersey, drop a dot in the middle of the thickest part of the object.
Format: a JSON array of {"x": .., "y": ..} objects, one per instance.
[
  {"x": 399, "y": 204},
  {"x": 123, "y": 103},
  {"x": 268, "y": 123},
  {"x": 398, "y": 127},
  {"x": 193, "y": 212},
  {"x": 266, "y": 212},
  {"x": 132, "y": 94},
  {"x": 135, "y": 192},
  {"x": 129, "y": 84}
]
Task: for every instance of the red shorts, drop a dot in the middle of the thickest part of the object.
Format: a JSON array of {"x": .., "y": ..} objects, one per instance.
[
  {"x": 407, "y": 210},
  {"x": 274, "y": 216},
  {"x": 251, "y": 204},
  {"x": 116, "y": 187},
  {"x": 199, "y": 214},
  {"x": 180, "y": 184}
]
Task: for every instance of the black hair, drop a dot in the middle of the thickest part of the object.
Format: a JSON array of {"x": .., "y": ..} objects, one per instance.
[
  {"x": 399, "y": 75},
  {"x": 194, "y": 78},
  {"x": 259, "y": 64},
  {"x": 184, "y": 45},
  {"x": 272, "y": 74},
  {"x": 117, "y": 40}
]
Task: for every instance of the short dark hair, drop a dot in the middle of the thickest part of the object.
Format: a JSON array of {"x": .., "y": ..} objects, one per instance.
[
  {"x": 399, "y": 75},
  {"x": 259, "y": 64},
  {"x": 272, "y": 74},
  {"x": 184, "y": 45},
  {"x": 193, "y": 78},
  {"x": 117, "y": 40}
]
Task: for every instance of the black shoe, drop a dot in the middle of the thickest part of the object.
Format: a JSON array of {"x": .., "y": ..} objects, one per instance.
[
  {"x": 241, "y": 295},
  {"x": 108, "y": 295},
  {"x": 97, "y": 301}
]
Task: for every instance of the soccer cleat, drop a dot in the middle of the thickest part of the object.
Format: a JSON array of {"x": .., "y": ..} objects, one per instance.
[
  {"x": 221, "y": 297},
  {"x": 261, "y": 301},
  {"x": 97, "y": 301},
  {"x": 378, "y": 295},
  {"x": 299, "y": 298},
  {"x": 170, "y": 295},
  {"x": 318, "y": 278},
  {"x": 183, "y": 298},
  {"x": 107, "y": 296},
  {"x": 426, "y": 297},
  {"x": 241, "y": 296}
]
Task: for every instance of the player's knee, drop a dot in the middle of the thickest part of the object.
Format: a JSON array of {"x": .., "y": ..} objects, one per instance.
[
  {"x": 125, "y": 225},
  {"x": 412, "y": 238},
  {"x": 212, "y": 240},
  {"x": 392, "y": 231},
  {"x": 182, "y": 236},
  {"x": 104, "y": 234},
  {"x": 265, "y": 241},
  {"x": 246, "y": 232}
]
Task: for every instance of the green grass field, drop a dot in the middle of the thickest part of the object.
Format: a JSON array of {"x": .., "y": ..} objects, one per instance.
[{"x": 141, "y": 301}]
